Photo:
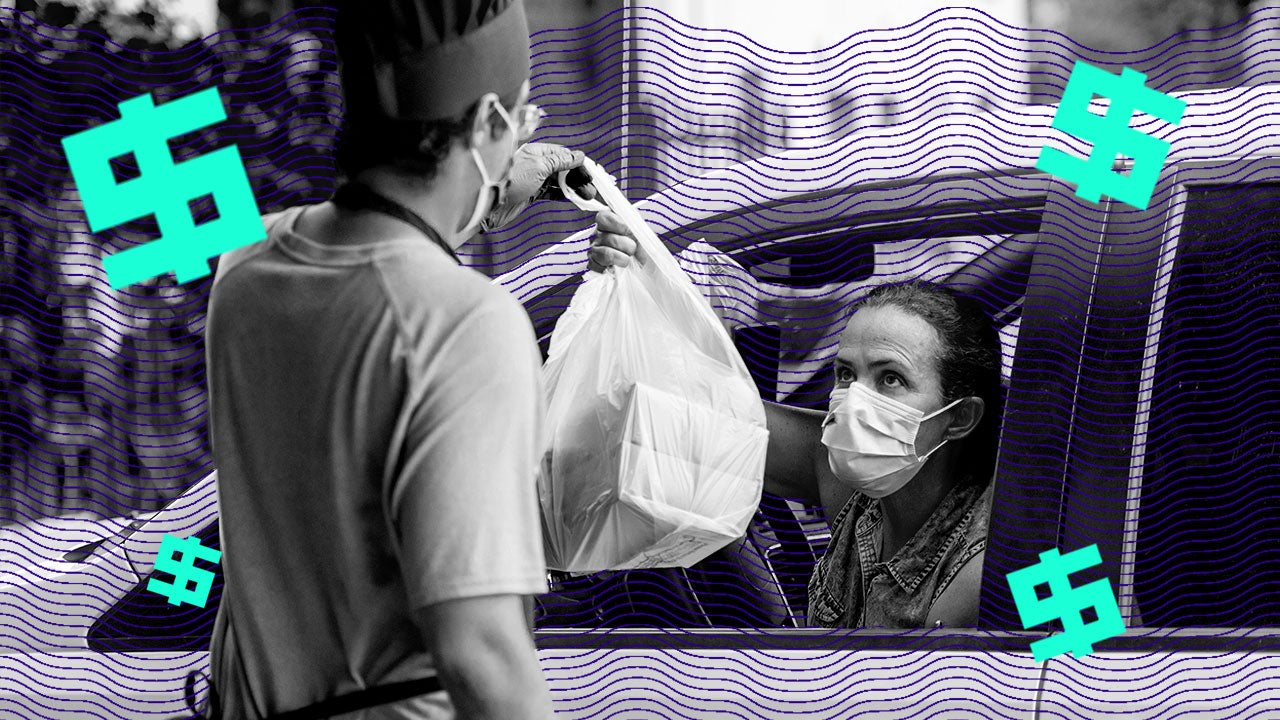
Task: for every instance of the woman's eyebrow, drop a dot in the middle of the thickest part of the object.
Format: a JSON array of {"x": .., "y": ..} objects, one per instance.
[{"x": 888, "y": 361}]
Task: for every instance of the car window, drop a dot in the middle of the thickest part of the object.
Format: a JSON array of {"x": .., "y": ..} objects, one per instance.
[
  {"x": 762, "y": 580},
  {"x": 1209, "y": 514},
  {"x": 144, "y": 620}
]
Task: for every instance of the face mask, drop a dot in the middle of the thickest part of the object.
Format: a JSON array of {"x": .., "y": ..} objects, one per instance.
[
  {"x": 871, "y": 440},
  {"x": 490, "y": 195}
]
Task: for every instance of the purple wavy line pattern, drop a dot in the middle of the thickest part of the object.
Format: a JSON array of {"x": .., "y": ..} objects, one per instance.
[{"x": 1142, "y": 384}]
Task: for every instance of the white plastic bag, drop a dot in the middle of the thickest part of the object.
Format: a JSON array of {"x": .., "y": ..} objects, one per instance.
[{"x": 658, "y": 433}]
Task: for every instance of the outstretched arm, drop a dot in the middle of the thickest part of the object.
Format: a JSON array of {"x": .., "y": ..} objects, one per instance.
[
  {"x": 796, "y": 465},
  {"x": 795, "y": 445}
]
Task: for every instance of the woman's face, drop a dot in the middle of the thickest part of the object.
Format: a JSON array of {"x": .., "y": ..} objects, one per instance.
[{"x": 893, "y": 352}]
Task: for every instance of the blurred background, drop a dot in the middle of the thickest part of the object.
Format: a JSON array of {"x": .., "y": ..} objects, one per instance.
[
  {"x": 810, "y": 71},
  {"x": 102, "y": 400}
]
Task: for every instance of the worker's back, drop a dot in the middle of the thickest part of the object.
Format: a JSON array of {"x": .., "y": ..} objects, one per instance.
[{"x": 362, "y": 470}]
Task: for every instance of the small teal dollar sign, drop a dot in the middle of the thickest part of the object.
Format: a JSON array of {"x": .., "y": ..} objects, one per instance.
[
  {"x": 190, "y": 584},
  {"x": 1111, "y": 135},
  {"x": 164, "y": 188},
  {"x": 1066, "y": 603}
]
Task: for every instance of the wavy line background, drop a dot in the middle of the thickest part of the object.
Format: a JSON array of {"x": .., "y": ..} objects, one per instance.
[{"x": 102, "y": 406}]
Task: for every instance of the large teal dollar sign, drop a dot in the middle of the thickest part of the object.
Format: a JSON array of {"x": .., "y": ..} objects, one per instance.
[
  {"x": 164, "y": 188},
  {"x": 184, "y": 571},
  {"x": 1066, "y": 603},
  {"x": 1111, "y": 135}
]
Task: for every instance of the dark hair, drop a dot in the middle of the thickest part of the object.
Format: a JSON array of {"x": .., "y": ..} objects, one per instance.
[
  {"x": 970, "y": 361},
  {"x": 413, "y": 147}
]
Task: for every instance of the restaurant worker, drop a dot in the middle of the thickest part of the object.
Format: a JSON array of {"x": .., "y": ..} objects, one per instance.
[{"x": 377, "y": 407}]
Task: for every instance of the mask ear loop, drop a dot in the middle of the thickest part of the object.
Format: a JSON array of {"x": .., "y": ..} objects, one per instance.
[
  {"x": 500, "y": 194},
  {"x": 935, "y": 414},
  {"x": 941, "y": 410},
  {"x": 496, "y": 191}
]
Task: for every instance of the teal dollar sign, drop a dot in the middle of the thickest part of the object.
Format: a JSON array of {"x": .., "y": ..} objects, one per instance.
[
  {"x": 164, "y": 188},
  {"x": 1111, "y": 135},
  {"x": 1065, "y": 603},
  {"x": 185, "y": 573}
]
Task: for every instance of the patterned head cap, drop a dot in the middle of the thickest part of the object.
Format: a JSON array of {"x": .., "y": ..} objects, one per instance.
[{"x": 429, "y": 59}]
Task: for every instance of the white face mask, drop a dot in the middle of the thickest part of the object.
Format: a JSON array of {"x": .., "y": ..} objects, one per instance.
[
  {"x": 490, "y": 195},
  {"x": 871, "y": 440}
]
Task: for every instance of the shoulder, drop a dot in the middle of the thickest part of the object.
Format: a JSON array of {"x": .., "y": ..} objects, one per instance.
[
  {"x": 957, "y": 605},
  {"x": 956, "y": 602},
  {"x": 421, "y": 270},
  {"x": 228, "y": 261},
  {"x": 238, "y": 290},
  {"x": 433, "y": 297}
]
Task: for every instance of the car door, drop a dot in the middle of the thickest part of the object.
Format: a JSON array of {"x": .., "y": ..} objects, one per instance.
[{"x": 1176, "y": 451}]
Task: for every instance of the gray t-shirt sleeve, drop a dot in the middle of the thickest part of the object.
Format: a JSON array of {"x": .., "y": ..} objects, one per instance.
[{"x": 464, "y": 500}]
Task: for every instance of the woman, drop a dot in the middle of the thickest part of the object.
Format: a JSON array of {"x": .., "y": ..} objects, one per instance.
[{"x": 901, "y": 462}]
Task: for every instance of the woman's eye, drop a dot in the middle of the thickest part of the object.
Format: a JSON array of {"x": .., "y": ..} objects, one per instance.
[
  {"x": 892, "y": 380},
  {"x": 844, "y": 375}
]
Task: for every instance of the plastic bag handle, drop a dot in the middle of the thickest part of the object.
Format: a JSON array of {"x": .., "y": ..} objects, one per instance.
[
  {"x": 572, "y": 196},
  {"x": 612, "y": 199},
  {"x": 657, "y": 259}
]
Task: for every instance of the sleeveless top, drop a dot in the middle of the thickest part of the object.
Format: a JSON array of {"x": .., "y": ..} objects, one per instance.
[{"x": 851, "y": 588}]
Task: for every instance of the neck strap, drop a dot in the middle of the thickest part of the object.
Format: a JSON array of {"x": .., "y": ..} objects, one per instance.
[{"x": 358, "y": 196}]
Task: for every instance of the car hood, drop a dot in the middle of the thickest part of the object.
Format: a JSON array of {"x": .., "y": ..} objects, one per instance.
[{"x": 30, "y": 548}]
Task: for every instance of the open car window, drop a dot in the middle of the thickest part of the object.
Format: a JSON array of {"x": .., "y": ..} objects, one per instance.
[{"x": 816, "y": 267}]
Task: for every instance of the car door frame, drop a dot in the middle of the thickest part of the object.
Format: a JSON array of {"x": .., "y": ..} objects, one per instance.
[{"x": 1139, "y": 249}]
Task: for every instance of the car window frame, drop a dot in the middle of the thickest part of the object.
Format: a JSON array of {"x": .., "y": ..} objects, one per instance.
[
  {"x": 1015, "y": 190},
  {"x": 1029, "y": 495},
  {"x": 879, "y": 202}
]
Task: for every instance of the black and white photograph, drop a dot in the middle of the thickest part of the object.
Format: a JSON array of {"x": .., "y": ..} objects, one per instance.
[{"x": 520, "y": 359}]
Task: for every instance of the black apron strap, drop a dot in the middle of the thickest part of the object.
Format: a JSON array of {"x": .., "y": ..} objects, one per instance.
[
  {"x": 358, "y": 196},
  {"x": 362, "y": 699},
  {"x": 351, "y": 702}
]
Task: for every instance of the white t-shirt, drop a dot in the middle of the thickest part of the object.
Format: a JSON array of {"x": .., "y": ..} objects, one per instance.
[{"x": 377, "y": 423}]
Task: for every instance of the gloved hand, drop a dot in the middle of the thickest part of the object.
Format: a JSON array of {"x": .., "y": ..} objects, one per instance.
[{"x": 534, "y": 176}]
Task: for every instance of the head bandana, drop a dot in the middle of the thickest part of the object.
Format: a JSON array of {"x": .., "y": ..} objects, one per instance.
[{"x": 430, "y": 59}]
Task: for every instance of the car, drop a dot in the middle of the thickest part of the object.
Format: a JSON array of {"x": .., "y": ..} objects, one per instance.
[
  {"x": 1141, "y": 369},
  {"x": 1142, "y": 416},
  {"x": 70, "y": 588}
]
